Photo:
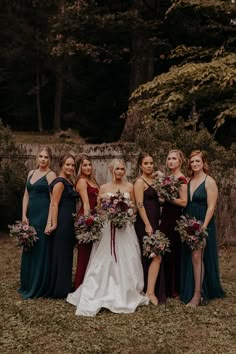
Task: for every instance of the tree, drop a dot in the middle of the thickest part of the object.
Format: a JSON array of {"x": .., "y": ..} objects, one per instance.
[{"x": 202, "y": 40}]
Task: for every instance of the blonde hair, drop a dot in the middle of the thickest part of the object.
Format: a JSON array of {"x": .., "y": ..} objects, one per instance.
[
  {"x": 114, "y": 164},
  {"x": 48, "y": 151},
  {"x": 203, "y": 157},
  {"x": 179, "y": 154}
]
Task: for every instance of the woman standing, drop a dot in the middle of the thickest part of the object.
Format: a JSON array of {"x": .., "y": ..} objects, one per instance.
[
  {"x": 113, "y": 282},
  {"x": 35, "y": 207},
  {"x": 200, "y": 270},
  {"x": 171, "y": 211},
  {"x": 88, "y": 189},
  {"x": 62, "y": 229},
  {"x": 147, "y": 223}
]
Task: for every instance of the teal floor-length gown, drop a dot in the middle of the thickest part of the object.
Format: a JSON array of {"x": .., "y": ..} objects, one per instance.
[
  {"x": 211, "y": 287},
  {"x": 35, "y": 262}
]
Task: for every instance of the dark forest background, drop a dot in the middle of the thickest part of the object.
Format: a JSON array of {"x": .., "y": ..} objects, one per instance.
[{"x": 79, "y": 64}]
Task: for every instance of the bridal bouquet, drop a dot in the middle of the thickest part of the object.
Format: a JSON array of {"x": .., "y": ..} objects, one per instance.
[
  {"x": 191, "y": 232},
  {"x": 118, "y": 209},
  {"x": 167, "y": 187},
  {"x": 26, "y": 234},
  {"x": 88, "y": 228},
  {"x": 155, "y": 244}
]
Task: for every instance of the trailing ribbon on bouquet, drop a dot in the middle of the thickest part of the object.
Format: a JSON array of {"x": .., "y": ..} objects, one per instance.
[{"x": 113, "y": 241}]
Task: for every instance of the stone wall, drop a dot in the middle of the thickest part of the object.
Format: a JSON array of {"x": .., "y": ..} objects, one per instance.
[{"x": 102, "y": 155}]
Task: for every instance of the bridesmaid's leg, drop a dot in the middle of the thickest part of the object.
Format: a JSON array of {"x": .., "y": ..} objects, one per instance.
[
  {"x": 198, "y": 270},
  {"x": 152, "y": 278}
]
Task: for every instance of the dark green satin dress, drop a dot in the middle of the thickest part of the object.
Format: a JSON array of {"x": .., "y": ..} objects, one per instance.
[
  {"x": 211, "y": 287},
  {"x": 35, "y": 262}
]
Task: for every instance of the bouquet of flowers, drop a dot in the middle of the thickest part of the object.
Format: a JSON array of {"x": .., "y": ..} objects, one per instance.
[
  {"x": 118, "y": 209},
  {"x": 155, "y": 244},
  {"x": 167, "y": 187},
  {"x": 88, "y": 228},
  {"x": 26, "y": 234},
  {"x": 191, "y": 232}
]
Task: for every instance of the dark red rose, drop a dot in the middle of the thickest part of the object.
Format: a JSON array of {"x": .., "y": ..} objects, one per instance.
[
  {"x": 122, "y": 206},
  {"x": 89, "y": 220}
]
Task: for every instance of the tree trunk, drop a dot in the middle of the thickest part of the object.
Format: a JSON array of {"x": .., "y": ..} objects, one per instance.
[
  {"x": 39, "y": 114},
  {"x": 142, "y": 62},
  {"x": 142, "y": 68},
  {"x": 58, "y": 99}
]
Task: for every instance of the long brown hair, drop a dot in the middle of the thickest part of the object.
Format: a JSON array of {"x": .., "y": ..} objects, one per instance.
[
  {"x": 142, "y": 156},
  {"x": 79, "y": 162},
  {"x": 204, "y": 160}
]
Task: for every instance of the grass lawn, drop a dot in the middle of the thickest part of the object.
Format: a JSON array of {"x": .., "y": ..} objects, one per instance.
[{"x": 50, "y": 326}]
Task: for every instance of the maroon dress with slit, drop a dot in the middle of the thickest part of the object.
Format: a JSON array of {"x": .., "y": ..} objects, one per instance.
[
  {"x": 172, "y": 260},
  {"x": 84, "y": 249},
  {"x": 152, "y": 207}
]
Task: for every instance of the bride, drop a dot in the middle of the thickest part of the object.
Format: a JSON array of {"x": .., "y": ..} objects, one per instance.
[{"x": 115, "y": 283}]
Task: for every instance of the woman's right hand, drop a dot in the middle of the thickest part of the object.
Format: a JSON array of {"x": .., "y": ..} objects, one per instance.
[
  {"x": 148, "y": 230},
  {"x": 25, "y": 220},
  {"x": 49, "y": 229}
]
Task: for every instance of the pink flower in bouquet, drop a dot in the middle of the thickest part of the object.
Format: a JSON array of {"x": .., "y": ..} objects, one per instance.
[
  {"x": 167, "y": 187},
  {"x": 115, "y": 201},
  {"x": 112, "y": 210},
  {"x": 191, "y": 232},
  {"x": 88, "y": 228},
  {"x": 26, "y": 234},
  {"x": 155, "y": 244}
]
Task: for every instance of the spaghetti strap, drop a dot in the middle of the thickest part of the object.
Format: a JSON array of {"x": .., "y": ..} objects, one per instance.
[
  {"x": 149, "y": 185},
  {"x": 47, "y": 173},
  {"x": 29, "y": 178}
]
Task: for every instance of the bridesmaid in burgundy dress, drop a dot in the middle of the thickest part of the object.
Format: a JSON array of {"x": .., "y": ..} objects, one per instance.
[
  {"x": 88, "y": 189},
  {"x": 171, "y": 211},
  {"x": 148, "y": 222}
]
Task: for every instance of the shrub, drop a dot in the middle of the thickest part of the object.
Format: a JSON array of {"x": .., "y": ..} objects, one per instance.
[{"x": 12, "y": 177}]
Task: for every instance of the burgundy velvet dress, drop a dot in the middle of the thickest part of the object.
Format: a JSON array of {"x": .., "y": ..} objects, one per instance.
[
  {"x": 84, "y": 249},
  {"x": 152, "y": 207},
  {"x": 172, "y": 260}
]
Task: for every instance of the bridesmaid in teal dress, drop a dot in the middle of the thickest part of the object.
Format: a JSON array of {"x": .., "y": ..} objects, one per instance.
[
  {"x": 35, "y": 208},
  {"x": 62, "y": 229},
  {"x": 200, "y": 280}
]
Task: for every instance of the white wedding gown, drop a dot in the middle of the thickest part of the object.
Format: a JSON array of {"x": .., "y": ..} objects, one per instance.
[{"x": 115, "y": 284}]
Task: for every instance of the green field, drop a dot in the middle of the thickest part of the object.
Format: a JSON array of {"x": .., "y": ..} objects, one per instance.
[{"x": 50, "y": 326}]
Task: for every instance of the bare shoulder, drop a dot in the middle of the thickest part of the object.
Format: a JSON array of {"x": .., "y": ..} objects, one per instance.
[
  {"x": 81, "y": 183},
  {"x": 104, "y": 188},
  {"x": 139, "y": 182},
  {"x": 211, "y": 183},
  {"x": 51, "y": 176},
  {"x": 129, "y": 186},
  {"x": 30, "y": 173}
]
